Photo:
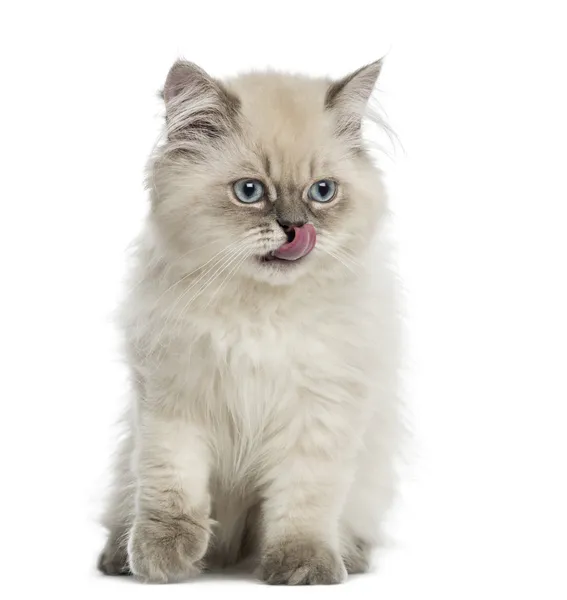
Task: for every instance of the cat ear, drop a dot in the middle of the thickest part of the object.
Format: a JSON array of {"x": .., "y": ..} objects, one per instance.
[
  {"x": 197, "y": 106},
  {"x": 349, "y": 96}
]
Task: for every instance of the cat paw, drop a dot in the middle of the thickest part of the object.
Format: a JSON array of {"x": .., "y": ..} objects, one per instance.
[
  {"x": 113, "y": 560},
  {"x": 357, "y": 557},
  {"x": 300, "y": 562},
  {"x": 163, "y": 548}
]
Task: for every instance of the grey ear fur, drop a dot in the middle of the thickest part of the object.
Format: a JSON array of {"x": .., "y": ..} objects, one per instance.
[
  {"x": 353, "y": 91},
  {"x": 197, "y": 105},
  {"x": 349, "y": 96},
  {"x": 182, "y": 75}
]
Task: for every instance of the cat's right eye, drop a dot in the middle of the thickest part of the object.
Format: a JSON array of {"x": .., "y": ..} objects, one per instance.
[{"x": 248, "y": 191}]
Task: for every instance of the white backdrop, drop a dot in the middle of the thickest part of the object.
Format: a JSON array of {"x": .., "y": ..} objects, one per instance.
[{"x": 476, "y": 93}]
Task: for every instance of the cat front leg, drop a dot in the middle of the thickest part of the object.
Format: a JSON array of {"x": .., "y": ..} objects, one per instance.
[
  {"x": 373, "y": 489},
  {"x": 303, "y": 498},
  {"x": 171, "y": 528}
]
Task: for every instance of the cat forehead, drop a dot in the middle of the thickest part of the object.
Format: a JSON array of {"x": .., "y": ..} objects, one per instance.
[{"x": 285, "y": 116}]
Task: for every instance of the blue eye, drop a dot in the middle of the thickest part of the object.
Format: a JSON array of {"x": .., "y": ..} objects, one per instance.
[
  {"x": 248, "y": 190},
  {"x": 323, "y": 191}
]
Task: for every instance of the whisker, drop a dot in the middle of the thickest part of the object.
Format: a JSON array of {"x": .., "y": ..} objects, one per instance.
[
  {"x": 330, "y": 253},
  {"x": 348, "y": 257},
  {"x": 187, "y": 275},
  {"x": 219, "y": 271},
  {"x": 226, "y": 254},
  {"x": 344, "y": 254},
  {"x": 231, "y": 273}
]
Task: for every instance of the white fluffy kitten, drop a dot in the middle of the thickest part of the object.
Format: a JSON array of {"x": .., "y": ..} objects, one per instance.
[{"x": 261, "y": 334}]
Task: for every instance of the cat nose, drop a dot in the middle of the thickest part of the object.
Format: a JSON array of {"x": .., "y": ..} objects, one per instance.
[{"x": 288, "y": 226}]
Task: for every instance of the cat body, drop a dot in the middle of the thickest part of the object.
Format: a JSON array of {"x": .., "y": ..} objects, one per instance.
[{"x": 264, "y": 424}]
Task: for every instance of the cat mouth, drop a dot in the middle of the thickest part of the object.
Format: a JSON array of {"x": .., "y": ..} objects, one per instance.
[
  {"x": 300, "y": 242},
  {"x": 272, "y": 259}
]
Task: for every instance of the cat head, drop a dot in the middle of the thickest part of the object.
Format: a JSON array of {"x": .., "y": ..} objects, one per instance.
[{"x": 265, "y": 175}]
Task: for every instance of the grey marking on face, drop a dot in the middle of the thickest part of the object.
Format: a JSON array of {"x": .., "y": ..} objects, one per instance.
[
  {"x": 292, "y": 213},
  {"x": 289, "y": 205},
  {"x": 330, "y": 217},
  {"x": 312, "y": 167},
  {"x": 267, "y": 164}
]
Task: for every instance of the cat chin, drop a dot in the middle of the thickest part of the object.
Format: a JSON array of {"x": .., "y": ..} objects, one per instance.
[{"x": 276, "y": 272}]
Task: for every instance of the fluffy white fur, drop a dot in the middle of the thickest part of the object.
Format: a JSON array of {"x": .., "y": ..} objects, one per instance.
[{"x": 264, "y": 421}]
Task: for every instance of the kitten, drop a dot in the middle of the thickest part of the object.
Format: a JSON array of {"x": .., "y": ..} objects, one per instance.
[{"x": 261, "y": 335}]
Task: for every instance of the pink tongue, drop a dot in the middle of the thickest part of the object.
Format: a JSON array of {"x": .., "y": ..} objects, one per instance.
[{"x": 301, "y": 245}]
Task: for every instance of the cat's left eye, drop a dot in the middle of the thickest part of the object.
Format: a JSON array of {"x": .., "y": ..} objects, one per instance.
[
  {"x": 249, "y": 191},
  {"x": 323, "y": 191}
]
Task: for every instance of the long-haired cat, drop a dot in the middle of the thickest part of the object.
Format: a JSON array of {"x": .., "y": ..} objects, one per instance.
[{"x": 261, "y": 336}]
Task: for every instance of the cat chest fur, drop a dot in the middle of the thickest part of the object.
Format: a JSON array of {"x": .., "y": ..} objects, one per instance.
[{"x": 249, "y": 380}]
